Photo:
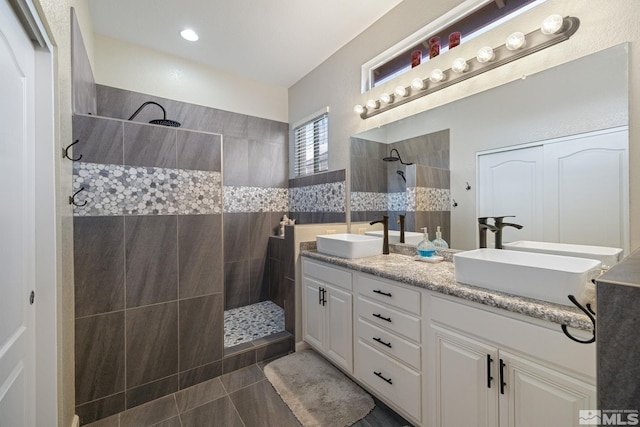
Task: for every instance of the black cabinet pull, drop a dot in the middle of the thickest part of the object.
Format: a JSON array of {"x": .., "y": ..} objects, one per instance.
[
  {"x": 386, "y": 294},
  {"x": 324, "y": 297},
  {"x": 502, "y": 383},
  {"x": 379, "y": 375},
  {"x": 489, "y": 377},
  {"x": 388, "y": 344},
  {"x": 380, "y": 316}
]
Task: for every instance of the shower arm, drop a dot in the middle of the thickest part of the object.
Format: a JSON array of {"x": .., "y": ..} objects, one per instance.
[{"x": 164, "y": 112}]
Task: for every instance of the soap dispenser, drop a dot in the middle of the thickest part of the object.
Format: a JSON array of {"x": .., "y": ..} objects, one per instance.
[
  {"x": 439, "y": 242},
  {"x": 426, "y": 249}
]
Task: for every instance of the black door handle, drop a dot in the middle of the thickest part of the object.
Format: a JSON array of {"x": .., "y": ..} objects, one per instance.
[
  {"x": 502, "y": 383},
  {"x": 388, "y": 344},
  {"x": 489, "y": 377},
  {"x": 379, "y": 375},
  {"x": 386, "y": 294},
  {"x": 324, "y": 297},
  {"x": 380, "y": 316}
]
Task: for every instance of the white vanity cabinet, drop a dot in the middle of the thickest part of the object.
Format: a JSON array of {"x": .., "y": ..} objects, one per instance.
[
  {"x": 492, "y": 370},
  {"x": 388, "y": 342},
  {"x": 328, "y": 311}
]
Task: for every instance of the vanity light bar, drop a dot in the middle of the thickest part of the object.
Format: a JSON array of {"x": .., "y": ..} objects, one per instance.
[{"x": 514, "y": 49}]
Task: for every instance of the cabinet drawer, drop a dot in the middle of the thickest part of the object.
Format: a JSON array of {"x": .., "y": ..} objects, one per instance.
[
  {"x": 327, "y": 274},
  {"x": 389, "y": 343},
  {"x": 391, "y": 379},
  {"x": 397, "y": 296},
  {"x": 389, "y": 318}
]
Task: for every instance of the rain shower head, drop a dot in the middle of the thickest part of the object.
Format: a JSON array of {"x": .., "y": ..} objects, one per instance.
[
  {"x": 392, "y": 158},
  {"x": 163, "y": 121}
]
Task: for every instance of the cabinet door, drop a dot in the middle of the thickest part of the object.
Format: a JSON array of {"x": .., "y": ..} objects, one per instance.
[
  {"x": 466, "y": 381},
  {"x": 313, "y": 313},
  {"x": 339, "y": 336},
  {"x": 539, "y": 396}
]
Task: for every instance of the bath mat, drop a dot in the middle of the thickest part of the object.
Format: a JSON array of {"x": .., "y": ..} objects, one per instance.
[{"x": 317, "y": 393}]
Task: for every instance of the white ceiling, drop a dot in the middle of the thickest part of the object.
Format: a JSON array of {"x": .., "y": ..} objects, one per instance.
[{"x": 276, "y": 41}]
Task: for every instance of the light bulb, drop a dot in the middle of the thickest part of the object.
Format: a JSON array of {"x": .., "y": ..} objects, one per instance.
[
  {"x": 552, "y": 24},
  {"x": 387, "y": 98},
  {"x": 437, "y": 76},
  {"x": 373, "y": 104},
  {"x": 401, "y": 91},
  {"x": 359, "y": 109},
  {"x": 460, "y": 65},
  {"x": 516, "y": 41},
  {"x": 417, "y": 83},
  {"x": 485, "y": 54},
  {"x": 189, "y": 34}
]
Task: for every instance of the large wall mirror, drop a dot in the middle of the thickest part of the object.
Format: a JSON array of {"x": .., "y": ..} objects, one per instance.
[{"x": 436, "y": 181}]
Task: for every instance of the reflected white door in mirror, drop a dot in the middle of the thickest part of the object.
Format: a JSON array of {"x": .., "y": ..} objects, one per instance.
[{"x": 567, "y": 190}]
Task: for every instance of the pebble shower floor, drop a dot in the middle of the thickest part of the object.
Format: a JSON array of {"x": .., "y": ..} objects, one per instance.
[{"x": 251, "y": 322}]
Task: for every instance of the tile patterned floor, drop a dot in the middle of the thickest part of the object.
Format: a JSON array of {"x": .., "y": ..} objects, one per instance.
[
  {"x": 243, "y": 398},
  {"x": 251, "y": 322}
]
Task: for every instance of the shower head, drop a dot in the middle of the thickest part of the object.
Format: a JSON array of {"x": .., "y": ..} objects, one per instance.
[
  {"x": 392, "y": 158},
  {"x": 401, "y": 173},
  {"x": 163, "y": 121}
]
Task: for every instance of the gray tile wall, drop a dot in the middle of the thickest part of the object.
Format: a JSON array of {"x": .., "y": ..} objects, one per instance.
[
  {"x": 318, "y": 198},
  {"x": 618, "y": 354},
  {"x": 149, "y": 288},
  {"x": 83, "y": 85},
  {"x": 377, "y": 189}
]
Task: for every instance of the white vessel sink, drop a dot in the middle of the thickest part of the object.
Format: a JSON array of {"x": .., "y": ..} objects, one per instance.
[
  {"x": 410, "y": 237},
  {"x": 349, "y": 245},
  {"x": 607, "y": 256},
  {"x": 541, "y": 276}
]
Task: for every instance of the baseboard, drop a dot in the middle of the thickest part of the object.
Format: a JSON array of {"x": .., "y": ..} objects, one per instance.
[
  {"x": 76, "y": 421},
  {"x": 302, "y": 345}
]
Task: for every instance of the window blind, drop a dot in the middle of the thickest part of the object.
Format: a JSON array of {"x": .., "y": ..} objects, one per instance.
[{"x": 311, "y": 146}]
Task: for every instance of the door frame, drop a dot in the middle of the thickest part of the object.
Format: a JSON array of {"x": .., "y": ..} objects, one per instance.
[{"x": 45, "y": 217}]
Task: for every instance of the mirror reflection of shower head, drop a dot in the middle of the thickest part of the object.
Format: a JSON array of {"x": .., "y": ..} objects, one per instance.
[
  {"x": 401, "y": 173},
  {"x": 163, "y": 121},
  {"x": 392, "y": 158}
]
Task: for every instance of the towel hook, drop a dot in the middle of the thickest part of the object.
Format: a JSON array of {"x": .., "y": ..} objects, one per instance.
[
  {"x": 590, "y": 313},
  {"x": 65, "y": 151},
  {"x": 72, "y": 199}
]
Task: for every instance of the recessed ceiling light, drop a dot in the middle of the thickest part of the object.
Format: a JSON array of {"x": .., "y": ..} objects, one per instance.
[{"x": 189, "y": 35}]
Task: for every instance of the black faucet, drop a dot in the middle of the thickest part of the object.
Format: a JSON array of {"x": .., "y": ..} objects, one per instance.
[
  {"x": 385, "y": 224},
  {"x": 482, "y": 228},
  {"x": 498, "y": 225},
  {"x": 401, "y": 222},
  {"x": 498, "y": 221}
]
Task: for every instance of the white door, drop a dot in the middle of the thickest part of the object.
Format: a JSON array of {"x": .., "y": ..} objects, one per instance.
[
  {"x": 466, "y": 381},
  {"x": 17, "y": 256},
  {"x": 339, "y": 331},
  {"x": 511, "y": 183},
  {"x": 538, "y": 396},
  {"x": 587, "y": 184}
]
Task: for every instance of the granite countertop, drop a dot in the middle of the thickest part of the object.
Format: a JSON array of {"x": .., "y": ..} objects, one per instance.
[{"x": 440, "y": 278}]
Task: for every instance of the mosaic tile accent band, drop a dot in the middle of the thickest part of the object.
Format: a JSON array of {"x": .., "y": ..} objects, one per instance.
[
  {"x": 329, "y": 197},
  {"x": 419, "y": 199},
  {"x": 431, "y": 199},
  {"x": 112, "y": 190},
  {"x": 255, "y": 199}
]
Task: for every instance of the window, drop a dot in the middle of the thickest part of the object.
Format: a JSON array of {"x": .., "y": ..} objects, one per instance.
[
  {"x": 311, "y": 142},
  {"x": 471, "y": 18}
]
